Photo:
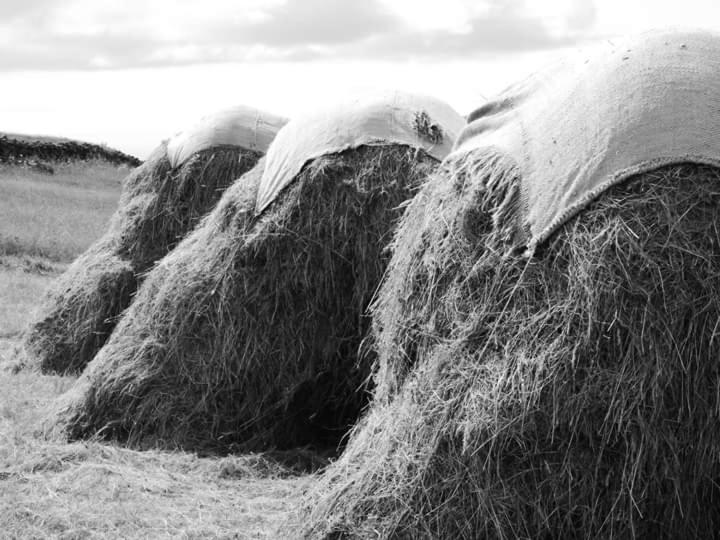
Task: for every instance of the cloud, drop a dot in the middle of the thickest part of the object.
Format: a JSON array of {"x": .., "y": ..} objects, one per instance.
[
  {"x": 503, "y": 27},
  {"x": 12, "y": 10},
  {"x": 583, "y": 15},
  {"x": 487, "y": 34},
  {"x": 85, "y": 34},
  {"x": 313, "y": 22}
]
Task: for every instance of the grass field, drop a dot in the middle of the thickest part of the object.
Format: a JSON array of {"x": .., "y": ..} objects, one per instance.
[
  {"x": 45, "y": 222},
  {"x": 56, "y": 216},
  {"x": 23, "y": 281},
  {"x": 53, "y": 489}
]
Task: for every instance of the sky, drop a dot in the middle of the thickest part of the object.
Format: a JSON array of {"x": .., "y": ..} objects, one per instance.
[{"x": 130, "y": 73}]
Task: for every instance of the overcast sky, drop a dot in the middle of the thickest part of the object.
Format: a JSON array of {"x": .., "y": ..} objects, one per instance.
[{"x": 130, "y": 73}]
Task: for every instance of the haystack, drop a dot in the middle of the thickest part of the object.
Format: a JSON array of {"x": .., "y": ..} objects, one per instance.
[
  {"x": 248, "y": 333},
  {"x": 161, "y": 202},
  {"x": 547, "y": 336}
]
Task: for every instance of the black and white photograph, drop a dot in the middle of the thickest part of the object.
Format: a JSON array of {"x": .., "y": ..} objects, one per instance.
[{"x": 383, "y": 269}]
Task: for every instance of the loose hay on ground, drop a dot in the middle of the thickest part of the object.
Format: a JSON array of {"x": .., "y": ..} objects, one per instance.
[
  {"x": 248, "y": 332},
  {"x": 158, "y": 206},
  {"x": 572, "y": 394}
]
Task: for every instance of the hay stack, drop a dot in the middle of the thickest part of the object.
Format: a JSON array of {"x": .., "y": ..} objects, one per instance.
[
  {"x": 542, "y": 376},
  {"x": 161, "y": 201},
  {"x": 248, "y": 332}
]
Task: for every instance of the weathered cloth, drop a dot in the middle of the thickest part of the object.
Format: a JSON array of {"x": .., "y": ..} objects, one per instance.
[
  {"x": 382, "y": 119},
  {"x": 621, "y": 108},
  {"x": 240, "y": 126}
]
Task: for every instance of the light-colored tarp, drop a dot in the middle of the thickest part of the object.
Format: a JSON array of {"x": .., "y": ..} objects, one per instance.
[
  {"x": 588, "y": 122},
  {"x": 378, "y": 119},
  {"x": 245, "y": 127}
]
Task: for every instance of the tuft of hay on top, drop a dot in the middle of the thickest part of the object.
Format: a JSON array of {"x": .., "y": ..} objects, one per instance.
[
  {"x": 247, "y": 334},
  {"x": 158, "y": 206},
  {"x": 574, "y": 393}
]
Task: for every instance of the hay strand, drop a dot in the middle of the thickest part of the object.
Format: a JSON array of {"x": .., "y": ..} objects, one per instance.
[
  {"x": 572, "y": 394},
  {"x": 247, "y": 334},
  {"x": 157, "y": 207}
]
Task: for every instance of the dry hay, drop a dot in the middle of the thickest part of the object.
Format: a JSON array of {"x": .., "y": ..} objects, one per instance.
[
  {"x": 571, "y": 394},
  {"x": 157, "y": 207},
  {"x": 247, "y": 334}
]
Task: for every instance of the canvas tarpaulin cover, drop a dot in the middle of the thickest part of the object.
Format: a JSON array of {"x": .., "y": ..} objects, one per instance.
[
  {"x": 381, "y": 119},
  {"x": 594, "y": 119},
  {"x": 244, "y": 127}
]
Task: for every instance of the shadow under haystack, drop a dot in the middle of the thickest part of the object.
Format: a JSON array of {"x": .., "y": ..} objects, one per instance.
[
  {"x": 548, "y": 381},
  {"x": 247, "y": 334},
  {"x": 161, "y": 202}
]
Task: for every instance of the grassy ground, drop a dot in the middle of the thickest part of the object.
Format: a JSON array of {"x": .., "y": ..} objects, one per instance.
[
  {"x": 23, "y": 281},
  {"x": 52, "y": 489},
  {"x": 45, "y": 222},
  {"x": 56, "y": 216}
]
